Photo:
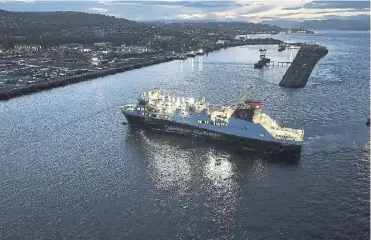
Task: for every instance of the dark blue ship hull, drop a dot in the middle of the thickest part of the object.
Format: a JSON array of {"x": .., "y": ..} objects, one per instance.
[{"x": 228, "y": 141}]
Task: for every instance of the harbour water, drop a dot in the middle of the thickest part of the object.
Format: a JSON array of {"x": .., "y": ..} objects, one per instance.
[{"x": 70, "y": 169}]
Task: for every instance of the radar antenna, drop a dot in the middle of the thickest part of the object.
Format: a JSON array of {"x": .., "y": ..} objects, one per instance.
[{"x": 244, "y": 95}]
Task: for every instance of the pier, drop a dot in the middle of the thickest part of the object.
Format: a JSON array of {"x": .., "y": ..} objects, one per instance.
[
  {"x": 293, "y": 48},
  {"x": 278, "y": 63}
]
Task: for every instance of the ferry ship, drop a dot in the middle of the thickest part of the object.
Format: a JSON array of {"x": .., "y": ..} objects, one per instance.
[{"x": 242, "y": 125}]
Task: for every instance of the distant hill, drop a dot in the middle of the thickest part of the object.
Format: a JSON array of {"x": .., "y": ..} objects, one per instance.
[
  {"x": 24, "y": 21},
  {"x": 66, "y": 27},
  {"x": 223, "y": 26},
  {"x": 192, "y": 21},
  {"x": 53, "y": 28},
  {"x": 60, "y": 17},
  {"x": 210, "y": 22},
  {"x": 362, "y": 23}
]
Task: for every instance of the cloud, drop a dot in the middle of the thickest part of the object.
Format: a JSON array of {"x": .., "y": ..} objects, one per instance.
[
  {"x": 317, "y": 14},
  {"x": 244, "y": 10},
  {"x": 191, "y": 16},
  {"x": 105, "y": 2},
  {"x": 338, "y": 4},
  {"x": 98, "y": 10},
  {"x": 329, "y": 5},
  {"x": 224, "y": 15},
  {"x": 104, "y": 11},
  {"x": 189, "y": 4}
]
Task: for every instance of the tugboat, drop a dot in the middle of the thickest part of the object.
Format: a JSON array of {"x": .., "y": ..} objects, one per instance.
[
  {"x": 259, "y": 64},
  {"x": 263, "y": 60},
  {"x": 242, "y": 125}
]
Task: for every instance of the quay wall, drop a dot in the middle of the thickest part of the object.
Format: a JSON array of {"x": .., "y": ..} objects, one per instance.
[{"x": 7, "y": 94}]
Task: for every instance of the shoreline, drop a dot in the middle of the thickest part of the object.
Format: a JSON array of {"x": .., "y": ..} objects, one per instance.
[
  {"x": 34, "y": 88},
  {"x": 43, "y": 86}
]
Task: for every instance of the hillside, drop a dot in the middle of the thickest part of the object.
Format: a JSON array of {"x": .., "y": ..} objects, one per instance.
[
  {"x": 61, "y": 27},
  {"x": 51, "y": 28}
]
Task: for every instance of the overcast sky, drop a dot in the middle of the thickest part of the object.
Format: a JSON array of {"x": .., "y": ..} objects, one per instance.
[{"x": 175, "y": 9}]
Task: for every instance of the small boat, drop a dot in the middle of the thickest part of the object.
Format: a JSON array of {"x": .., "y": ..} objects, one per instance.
[
  {"x": 262, "y": 62},
  {"x": 258, "y": 65}
]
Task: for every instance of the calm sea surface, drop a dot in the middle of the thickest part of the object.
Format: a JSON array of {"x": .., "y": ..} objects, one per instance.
[{"x": 69, "y": 169}]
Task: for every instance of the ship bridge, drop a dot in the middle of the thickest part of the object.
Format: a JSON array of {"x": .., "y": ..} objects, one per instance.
[
  {"x": 251, "y": 111},
  {"x": 245, "y": 108}
]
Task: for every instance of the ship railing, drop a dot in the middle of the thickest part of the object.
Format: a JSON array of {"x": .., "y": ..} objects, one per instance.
[
  {"x": 283, "y": 132},
  {"x": 128, "y": 107},
  {"x": 296, "y": 135},
  {"x": 291, "y": 137}
]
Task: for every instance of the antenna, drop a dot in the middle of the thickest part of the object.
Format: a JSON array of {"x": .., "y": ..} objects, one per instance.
[{"x": 244, "y": 94}]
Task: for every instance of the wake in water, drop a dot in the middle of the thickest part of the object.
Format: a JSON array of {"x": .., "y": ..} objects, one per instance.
[{"x": 333, "y": 143}]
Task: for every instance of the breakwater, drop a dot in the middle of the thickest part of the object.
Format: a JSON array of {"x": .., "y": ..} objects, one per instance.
[
  {"x": 298, "y": 73},
  {"x": 37, "y": 87}
]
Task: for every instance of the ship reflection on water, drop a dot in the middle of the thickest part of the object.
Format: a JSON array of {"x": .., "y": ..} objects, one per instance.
[
  {"x": 178, "y": 166},
  {"x": 219, "y": 169},
  {"x": 174, "y": 161},
  {"x": 169, "y": 167},
  {"x": 196, "y": 179}
]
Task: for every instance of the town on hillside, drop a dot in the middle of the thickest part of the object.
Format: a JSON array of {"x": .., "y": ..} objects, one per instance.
[{"x": 56, "y": 46}]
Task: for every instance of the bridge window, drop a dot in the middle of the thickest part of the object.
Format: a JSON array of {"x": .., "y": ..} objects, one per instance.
[{"x": 141, "y": 108}]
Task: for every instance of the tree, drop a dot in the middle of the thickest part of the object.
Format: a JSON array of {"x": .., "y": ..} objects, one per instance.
[{"x": 6, "y": 45}]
